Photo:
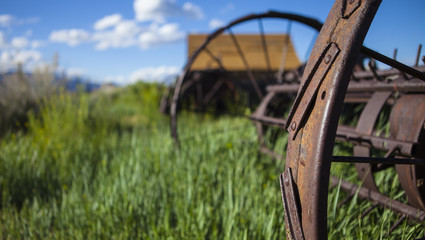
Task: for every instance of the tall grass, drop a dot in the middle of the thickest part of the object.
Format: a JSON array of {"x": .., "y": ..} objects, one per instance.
[{"x": 104, "y": 166}]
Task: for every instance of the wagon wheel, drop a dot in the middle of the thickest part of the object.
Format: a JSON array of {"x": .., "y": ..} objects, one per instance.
[
  {"x": 192, "y": 77},
  {"x": 313, "y": 120}
]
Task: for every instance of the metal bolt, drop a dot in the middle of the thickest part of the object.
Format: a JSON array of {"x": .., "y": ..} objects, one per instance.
[
  {"x": 286, "y": 182},
  {"x": 302, "y": 162},
  {"x": 327, "y": 59},
  {"x": 293, "y": 126},
  {"x": 323, "y": 95}
]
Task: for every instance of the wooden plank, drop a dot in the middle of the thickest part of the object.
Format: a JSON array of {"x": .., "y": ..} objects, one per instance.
[{"x": 224, "y": 48}]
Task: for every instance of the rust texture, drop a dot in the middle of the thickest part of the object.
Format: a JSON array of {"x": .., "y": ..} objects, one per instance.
[
  {"x": 314, "y": 94},
  {"x": 309, "y": 149}
]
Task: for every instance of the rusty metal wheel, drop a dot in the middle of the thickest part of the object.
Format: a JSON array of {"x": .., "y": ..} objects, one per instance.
[
  {"x": 313, "y": 122},
  {"x": 207, "y": 81}
]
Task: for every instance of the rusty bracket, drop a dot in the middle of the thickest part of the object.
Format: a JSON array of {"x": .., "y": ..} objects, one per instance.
[
  {"x": 309, "y": 89},
  {"x": 290, "y": 201},
  {"x": 349, "y": 7}
]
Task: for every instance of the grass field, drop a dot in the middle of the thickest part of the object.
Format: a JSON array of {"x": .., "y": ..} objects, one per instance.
[{"x": 103, "y": 166}]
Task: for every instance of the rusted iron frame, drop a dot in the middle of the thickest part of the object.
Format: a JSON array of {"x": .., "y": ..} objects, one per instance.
[
  {"x": 291, "y": 206},
  {"x": 312, "y": 136},
  {"x": 365, "y": 125},
  {"x": 373, "y": 69},
  {"x": 348, "y": 134},
  {"x": 379, "y": 143},
  {"x": 382, "y": 200},
  {"x": 393, "y": 63},
  {"x": 410, "y": 129},
  {"x": 260, "y": 112},
  {"x": 311, "y": 22},
  {"x": 364, "y": 85},
  {"x": 383, "y": 73},
  {"x": 376, "y": 160},
  {"x": 191, "y": 81},
  {"x": 260, "y": 119},
  {"x": 418, "y": 55},
  {"x": 360, "y": 87},
  {"x": 384, "y": 87},
  {"x": 407, "y": 121},
  {"x": 269, "y": 121}
]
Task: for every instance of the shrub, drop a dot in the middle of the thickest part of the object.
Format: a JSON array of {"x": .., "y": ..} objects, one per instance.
[{"x": 21, "y": 93}]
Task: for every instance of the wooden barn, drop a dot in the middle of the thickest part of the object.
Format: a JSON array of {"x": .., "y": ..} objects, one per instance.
[{"x": 230, "y": 68}]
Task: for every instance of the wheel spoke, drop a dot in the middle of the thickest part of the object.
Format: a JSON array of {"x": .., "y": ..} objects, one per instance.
[
  {"x": 284, "y": 53},
  {"x": 393, "y": 63},
  {"x": 245, "y": 62},
  {"x": 382, "y": 200},
  {"x": 213, "y": 91},
  {"x": 264, "y": 44},
  {"x": 376, "y": 160}
]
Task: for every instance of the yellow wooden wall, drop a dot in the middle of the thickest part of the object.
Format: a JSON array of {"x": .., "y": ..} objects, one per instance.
[{"x": 224, "y": 49}]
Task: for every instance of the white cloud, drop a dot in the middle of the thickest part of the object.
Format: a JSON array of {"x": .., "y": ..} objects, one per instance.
[
  {"x": 28, "y": 56},
  {"x": 6, "y": 20},
  {"x": 10, "y": 58},
  {"x": 123, "y": 35},
  {"x": 166, "y": 33},
  {"x": 154, "y": 74},
  {"x": 215, "y": 23},
  {"x": 192, "y": 10},
  {"x": 159, "y": 10},
  {"x": 18, "y": 51},
  {"x": 20, "y": 42},
  {"x": 107, "y": 21},
  {"x": 72, "y": 37},
  {"x": 147, "y": 74}
]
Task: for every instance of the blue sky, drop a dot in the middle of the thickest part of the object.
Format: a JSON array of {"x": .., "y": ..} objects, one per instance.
[{"x": 126, "y": 40}]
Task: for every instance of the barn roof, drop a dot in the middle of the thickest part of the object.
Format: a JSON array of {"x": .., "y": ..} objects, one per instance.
[{"x": 252, "y": 47}]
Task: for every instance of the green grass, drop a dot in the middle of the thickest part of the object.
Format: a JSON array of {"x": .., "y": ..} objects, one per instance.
[{"x": 104, "y": 166}]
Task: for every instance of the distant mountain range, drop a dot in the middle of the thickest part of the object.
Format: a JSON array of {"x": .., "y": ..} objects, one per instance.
[
  {"x": 74, "y": 83},
  {"x": 71, "y": 83}
]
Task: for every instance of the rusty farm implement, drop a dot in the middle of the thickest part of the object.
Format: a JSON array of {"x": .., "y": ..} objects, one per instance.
[{"x": 307, "y": 102}]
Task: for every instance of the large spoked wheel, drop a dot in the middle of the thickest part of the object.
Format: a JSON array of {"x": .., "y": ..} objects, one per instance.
[
  {"x": 313, "y": 121},
  {"x": 206, "y": 82}
]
